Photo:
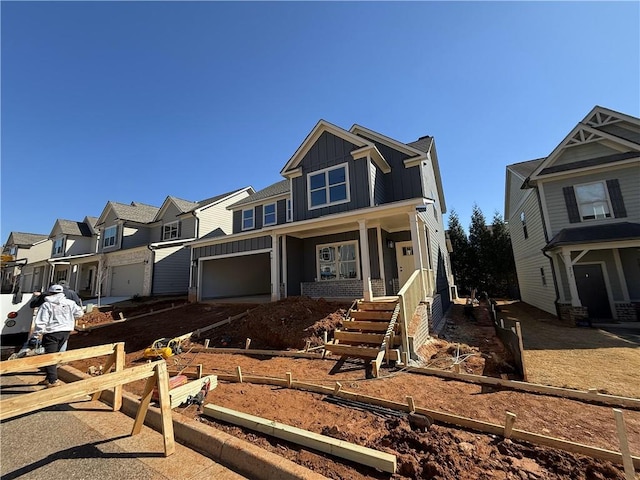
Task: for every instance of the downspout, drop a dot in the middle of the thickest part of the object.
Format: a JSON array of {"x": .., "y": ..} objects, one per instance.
[
  {"x": 546, "y": 239},
  {"x": 152, "y": 262}
]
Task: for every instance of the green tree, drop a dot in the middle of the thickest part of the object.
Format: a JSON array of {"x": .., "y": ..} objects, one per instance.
[
  {"x": 503, "y": 266},
  {"x": 479, "y": 257},
  {"x": 460, "y": 248}
]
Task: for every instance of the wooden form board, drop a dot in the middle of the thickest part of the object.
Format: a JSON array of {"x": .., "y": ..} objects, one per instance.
[
  {"x": 340, "y": 448},
  {"x": 361, "y": 325},
  {"x": 180, "y": 394},
  {"x": 532, "y": 387},
  {"x": 446, "y": 418},
  {"x": 371, "y": 315},
  {"x": 266, "y": 353}
]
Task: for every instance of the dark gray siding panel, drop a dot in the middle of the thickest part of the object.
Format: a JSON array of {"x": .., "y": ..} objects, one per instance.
[
  {"x": 295, "y": 265},
  {"x": 373, "y": 253},
  {"x": 171, "y": 271},
  {"x": 281, "y": 212},
  {"x": 379, "y": 196},
  {"x": 237, "y": 221},
  {"x": 402, "y": 183},
  {"x": 235, "y": 246},
  {"x": 309, "y": 248},
  {"x": 329, "y": 151}
]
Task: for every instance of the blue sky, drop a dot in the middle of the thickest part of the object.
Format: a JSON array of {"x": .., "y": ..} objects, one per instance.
[{"x": 129, "y": 101}]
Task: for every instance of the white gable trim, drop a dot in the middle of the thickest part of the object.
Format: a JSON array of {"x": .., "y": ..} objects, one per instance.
[
  {"x": 569, "y": 140},
  {"x": 357, "y": 129},
  {"x": 321, "y": 127},
  {"x": 371, "y": 152}
]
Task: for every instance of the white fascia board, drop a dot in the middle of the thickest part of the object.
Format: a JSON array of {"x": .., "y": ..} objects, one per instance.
[
  {"x": 321, "y": 127},
  {"x": 371, "y": 151},
  {"x": 580, "y": 171},
  {"x": 227, "y": 238},
  {"x": 223, "y": 199},
  {"x": 262, "y": 201},
  {"x": 355, "y": 129},
  {"x": 294, "y": 173},
  {"x": 171, "y": 242}
]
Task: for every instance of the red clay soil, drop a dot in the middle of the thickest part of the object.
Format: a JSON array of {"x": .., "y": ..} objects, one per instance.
[{"x": 440, "y": 452}]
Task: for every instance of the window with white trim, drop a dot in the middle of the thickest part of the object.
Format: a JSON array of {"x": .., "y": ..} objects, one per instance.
[
  {"x": 109, "y": 239},
  {"x": 593, "y": 201},
  {"x": 543, "y": 276},
  {"x": 57, "y": 246},
  {"x": 269, "y": 214},
  {"x": 338, "y": 261},
  {"x": 171, "y": 231},
  {"x": 289, "y": 211},
  {"x": 523, "y": 219},
  {"x": 247, "y": 219},
  {"x": 328, "y": 187}
]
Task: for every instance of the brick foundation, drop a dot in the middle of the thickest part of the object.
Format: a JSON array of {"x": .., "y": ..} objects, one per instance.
[
  {"x": 341, "y": 289},
  {"x": 572, "y": 314},
  {"x": 192, "y": 296},
  {"x": 627, "y": 312}
]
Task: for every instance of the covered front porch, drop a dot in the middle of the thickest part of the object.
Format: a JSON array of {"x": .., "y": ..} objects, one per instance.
[{"x": 597, "y": 280}]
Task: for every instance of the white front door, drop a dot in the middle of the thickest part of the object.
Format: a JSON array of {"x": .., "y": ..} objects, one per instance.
[{"x": 406, "y": 262}]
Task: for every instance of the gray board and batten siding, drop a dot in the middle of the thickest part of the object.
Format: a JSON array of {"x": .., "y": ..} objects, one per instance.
[
  {"x": 258, "y": 215},
  {"x": 233, "y": 247},
  {"x": 171, "y": 271}
]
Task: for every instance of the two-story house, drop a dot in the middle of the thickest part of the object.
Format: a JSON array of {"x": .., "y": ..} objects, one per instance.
[
  {"x": 32, "y": 249},
  {"x": 574, "y": 220},
  {"x": 73, "y": 254},
  {"x": 357, "y": 214},
  {"x": 142, "y": 247}
]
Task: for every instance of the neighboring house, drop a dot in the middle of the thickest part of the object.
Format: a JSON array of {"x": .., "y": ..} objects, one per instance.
[
  {"x": 141, "y": 249},
  {"x": 574, "y": 221},
  {"x": 73, "y": 254},
  {"x": 35, "y": 248},
  {"x": 356, "y": 215}
]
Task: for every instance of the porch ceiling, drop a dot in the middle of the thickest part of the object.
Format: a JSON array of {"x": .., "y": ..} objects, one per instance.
[{"x": 390, "y": 223}]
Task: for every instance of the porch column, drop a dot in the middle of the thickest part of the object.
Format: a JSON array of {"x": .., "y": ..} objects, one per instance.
[
  {"x": 284, "y": 265},
  {"x": 275, "y": 270},
  {"x": 381, "y": 258},
  {"x": 568, "y": 264},
  {"x": 366, "y": 264},
  {"x": 621, "y": 277},
  {"x": 557, "y": 264},
  {"x": 417, "y": 250}
]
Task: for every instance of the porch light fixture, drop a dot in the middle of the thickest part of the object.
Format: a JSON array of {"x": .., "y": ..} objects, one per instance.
[{"x": 390, "y": 244}]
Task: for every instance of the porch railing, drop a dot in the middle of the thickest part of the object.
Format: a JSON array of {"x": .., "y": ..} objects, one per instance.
[{"x": 409, "y": 297}]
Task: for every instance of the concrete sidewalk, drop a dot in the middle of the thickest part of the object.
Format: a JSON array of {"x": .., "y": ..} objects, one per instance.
[{"x": 87, "y": 440}]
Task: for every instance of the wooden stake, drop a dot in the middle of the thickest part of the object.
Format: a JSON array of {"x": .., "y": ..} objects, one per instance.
[
  {"x": 206, "y": 343},
  {"x": 289, "y": 379},
  {"x": 325, "y": 336},
  {"x": 247, "y": 343},
  {"x": 239, "y": 374},
  {"x": 337, "y": 388},
  {"x": 593, "y": 391},
  {"x": 307, "y": 345},
  {"x": 508, "y": 424},
  {"x": 627, "y": 461},
  {"x": 199, "y": 368},
  {"x": 121, "y": 316},
  {"x": 405, "y": 358},
  {"x": 456, "y": 367},
  {"x": 412, "y": 405},
  {"x": 521, "y": 347}
]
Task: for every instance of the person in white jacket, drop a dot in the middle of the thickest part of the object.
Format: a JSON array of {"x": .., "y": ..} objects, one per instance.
[{"x": 55, "y": 321}]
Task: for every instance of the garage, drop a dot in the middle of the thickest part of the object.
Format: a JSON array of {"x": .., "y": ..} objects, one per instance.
[
  {"x": 127, "y": 280},
  {"x": 237, "y": 276}
]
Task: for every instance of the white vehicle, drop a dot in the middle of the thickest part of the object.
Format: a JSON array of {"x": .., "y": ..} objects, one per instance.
[{"x": 16, "y": 315}]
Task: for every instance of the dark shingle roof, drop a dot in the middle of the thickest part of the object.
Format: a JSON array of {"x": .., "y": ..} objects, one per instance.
[
  {"x": 136, "y": 212},
  {"x": 184, "y": 205},
  {"x": 278, "y": 188},
  {"x": 92, "y": 221},
  {"x": 20, "y": 238},
  {"x": 70, "y": 227},
  {"x": 422, "y": 144},
  {"x": 524, "y": 169},
  {"x": 595, "y": 233}
]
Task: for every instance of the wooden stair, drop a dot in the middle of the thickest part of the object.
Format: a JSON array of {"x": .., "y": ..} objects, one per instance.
[{"x": 368, "y": 333}]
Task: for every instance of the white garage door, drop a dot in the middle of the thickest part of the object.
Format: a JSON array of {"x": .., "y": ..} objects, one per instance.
[{"x": 127, "y": 280}]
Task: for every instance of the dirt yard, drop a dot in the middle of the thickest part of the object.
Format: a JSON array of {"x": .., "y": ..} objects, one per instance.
[{"x": 441, "y": 452}]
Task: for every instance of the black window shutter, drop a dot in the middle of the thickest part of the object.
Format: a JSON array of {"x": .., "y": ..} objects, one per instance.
[
  {"x": 572, "y": 204},
  {"x": 615, "y": 195}
]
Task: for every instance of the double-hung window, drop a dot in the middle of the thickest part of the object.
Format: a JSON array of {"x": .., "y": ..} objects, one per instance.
[
  {"x": 269, "y": 214},
  {"x": 57, "y": 246},
  {"x": 328, "y": 187},
  {"x": 289, "y": 211},
  {"x": 338, "y": 261},
  {"x": 247, "y": 219},
  {"x": 171, "y": 231},
  {"x": 593, "y": 201},
  {"x": 110, "y": 236}
]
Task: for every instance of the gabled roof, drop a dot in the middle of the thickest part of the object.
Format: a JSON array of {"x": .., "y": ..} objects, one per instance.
[
  {"x": 135, "y": 212},
  {"x": 589, "y": 130},
  {"x": 71, "y": 227},
  {"x": 274, "y": 190},
  {"x": 595, "y": 234},
  {"x": 321, "y": 127},
  {"x": 186, "y": 206},
  {"x": 410, "y": 149},
  {"x": 524, "y": 169},
  {"x": 25, "y": 239}
]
